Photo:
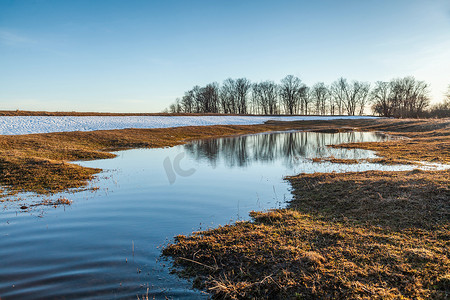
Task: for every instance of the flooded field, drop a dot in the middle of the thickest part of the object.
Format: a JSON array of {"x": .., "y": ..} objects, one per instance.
[{"x": 107, "y": 244}]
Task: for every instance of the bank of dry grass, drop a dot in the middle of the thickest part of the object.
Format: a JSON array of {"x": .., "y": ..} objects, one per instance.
[
  {"x": 395, "y": 200},
  {"x": 418, "y": 140},
  {"x": 286, "y": 254},
  {"x": 369, "y": 235},
  {"x": 357, "y": 235},
  {"x": 41, "y": 162}
]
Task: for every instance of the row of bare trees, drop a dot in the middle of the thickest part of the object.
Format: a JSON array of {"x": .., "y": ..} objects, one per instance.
[{"x": 402, "y": 97}]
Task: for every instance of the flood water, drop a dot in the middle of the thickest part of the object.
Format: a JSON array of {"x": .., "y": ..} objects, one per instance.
[{"x": 107, "y": 244}]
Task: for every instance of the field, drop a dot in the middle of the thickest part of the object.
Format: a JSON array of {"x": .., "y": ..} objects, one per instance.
[
  {"x": 41, "y": 162},
  {"x": 355, "y": 235}
]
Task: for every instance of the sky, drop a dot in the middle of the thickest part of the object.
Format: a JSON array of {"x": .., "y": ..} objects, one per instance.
[{"x": 138, "y": 56}]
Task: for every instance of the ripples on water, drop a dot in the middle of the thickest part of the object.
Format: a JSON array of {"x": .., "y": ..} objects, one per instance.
[{"x": 107, "y": 243}]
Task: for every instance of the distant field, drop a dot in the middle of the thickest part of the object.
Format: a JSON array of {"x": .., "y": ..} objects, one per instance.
[
  {"x": 41, "y": 162},
  {"x": 76, "y": 113},
  {"x": 16, "y": 125}
]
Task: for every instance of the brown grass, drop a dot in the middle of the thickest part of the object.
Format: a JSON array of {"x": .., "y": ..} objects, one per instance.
[
  {"x": 358, "y": 235},
  {"x": 40, "y": 162},
  {"x": 46, "y": 202},
  {"x": 288, "y": 254},
  {"x": 427, "y": 140},
  {"x": 407, "y": 199},
  {"x": 370, "y": 235}
]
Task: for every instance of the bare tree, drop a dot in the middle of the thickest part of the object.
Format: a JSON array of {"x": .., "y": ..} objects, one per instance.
[
  {"x": 339, "y": 93},
  {"x": 350, "y": 96},
  {"x": 265, "y": 97},
  {"x": 257, "y": 101},
  {"x": 319, "y": 95},
  {"x": 401, "y": 97},
  {"x": 290, "y": 90},
  {"x": 176, "y": 107},
  {"x": 188, "y": 102},
  {"x": 270, "y": 91},
  {"x": 260, "y": 101},
  {"x": 361, "y": 90},
  {"x": 242, "y": 87},
  {"x": 409, "y": 97},
  {"x": 381, "y": 95},
  {"x": 227, "y": 97},
  {"x": 197, "y": 103},
  {"x": 209, "y": 98},
  {"x": 305, "y": 99}
]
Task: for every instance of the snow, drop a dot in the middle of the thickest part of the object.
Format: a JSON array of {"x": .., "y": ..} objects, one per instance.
[{"x": 15, "y": 125}]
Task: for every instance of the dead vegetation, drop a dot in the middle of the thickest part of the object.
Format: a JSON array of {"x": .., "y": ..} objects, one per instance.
[
  {"x": 369, "y": 235},
  {"x": 41, "y": 162},
  {"x": 356, "y": 235},
  {"x": 395, "y": 200},
  {"x": 285, "y": 254},
  {"x": 47, "y": 202}
]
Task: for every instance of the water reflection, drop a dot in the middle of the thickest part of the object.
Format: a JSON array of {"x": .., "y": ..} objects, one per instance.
[
  {"x": 106, "y": 245},
  {"x": 290, "y": 147}
]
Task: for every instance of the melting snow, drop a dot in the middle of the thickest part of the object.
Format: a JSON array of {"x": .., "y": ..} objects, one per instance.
[{"x": 44, "y": 124}]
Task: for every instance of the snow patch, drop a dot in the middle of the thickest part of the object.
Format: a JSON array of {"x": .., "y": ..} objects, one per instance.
[{"x": 15, "y": 125}]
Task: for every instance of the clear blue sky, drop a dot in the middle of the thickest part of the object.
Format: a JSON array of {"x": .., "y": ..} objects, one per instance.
[{"x": 138, "y": 56}]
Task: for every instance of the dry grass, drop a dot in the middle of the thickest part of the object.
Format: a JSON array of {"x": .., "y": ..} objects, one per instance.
[
  {"x": 288, "y": 254},
  {"x": 47, "y": 202},
  {"x": 398, "y": 200},
  {"x": 357, "y": 235},
  {"x": 370, "y": 235},
  {"x": 381, "y": 160},
  {"x": 427, "y": 140},
  {"x": 40, "y": 162}
]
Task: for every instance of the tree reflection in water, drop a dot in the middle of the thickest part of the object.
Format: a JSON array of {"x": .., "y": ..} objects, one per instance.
[{"x": 291, "y": 147}]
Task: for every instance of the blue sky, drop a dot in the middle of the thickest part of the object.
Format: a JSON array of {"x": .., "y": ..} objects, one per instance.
[{"x": 138, "y": 56}]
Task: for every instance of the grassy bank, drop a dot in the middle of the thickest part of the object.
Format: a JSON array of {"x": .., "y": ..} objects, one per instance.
[
  {"x": 370, "y": 235},
  {"x": 41, "y": 162}
]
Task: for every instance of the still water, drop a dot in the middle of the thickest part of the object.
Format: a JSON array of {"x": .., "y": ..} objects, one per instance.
[{"x": 107, "y": 244}]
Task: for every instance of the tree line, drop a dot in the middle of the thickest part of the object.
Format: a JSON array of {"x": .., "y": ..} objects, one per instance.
[{"x": 400, "y": 97}]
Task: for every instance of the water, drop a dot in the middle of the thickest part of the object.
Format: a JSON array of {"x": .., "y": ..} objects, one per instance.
[{"x": 106, "y": 245}]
